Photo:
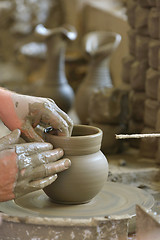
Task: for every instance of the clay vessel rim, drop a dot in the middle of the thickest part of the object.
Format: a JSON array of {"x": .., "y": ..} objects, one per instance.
[
  {"x": 66, "y": 29},
  {"x": 104, "y": 34},
  {"x": 108, "y": 46},
  {"x": 99, "y": 133}
]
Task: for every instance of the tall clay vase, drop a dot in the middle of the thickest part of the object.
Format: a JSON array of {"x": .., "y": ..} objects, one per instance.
[
  {"x": 89, "y": 167},
  {"x": 55, "y": 85},
  {"x": 99, "y": 47}
]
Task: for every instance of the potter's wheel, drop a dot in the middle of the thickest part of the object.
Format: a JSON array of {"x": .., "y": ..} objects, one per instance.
[{"x": 114, "y": 199}]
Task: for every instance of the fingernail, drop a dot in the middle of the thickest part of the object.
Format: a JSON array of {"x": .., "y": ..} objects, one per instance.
[
  {"x": 67, "y": 163},
  {"x": 53, "y": 178}
]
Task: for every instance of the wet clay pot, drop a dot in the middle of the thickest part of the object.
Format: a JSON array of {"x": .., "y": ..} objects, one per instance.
[{"x": 89, "y": 170}]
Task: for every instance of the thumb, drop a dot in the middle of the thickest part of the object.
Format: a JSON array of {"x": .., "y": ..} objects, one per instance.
[
  {"x": 10, "y": 139},
  {"x": 29, "y": 134}
]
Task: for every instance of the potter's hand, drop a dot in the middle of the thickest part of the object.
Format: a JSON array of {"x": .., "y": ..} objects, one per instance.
[
  {"x": 27, "y": 167},
  {"x": 26, "y": 112}
]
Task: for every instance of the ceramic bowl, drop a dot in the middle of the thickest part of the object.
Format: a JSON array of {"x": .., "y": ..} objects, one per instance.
[{"x": 89, "y": 169}]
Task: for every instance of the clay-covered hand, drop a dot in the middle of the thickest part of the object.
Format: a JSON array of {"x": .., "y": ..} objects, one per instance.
[
  {"x": 26, "y": 112},
  {"x": 27, "y": 167}
]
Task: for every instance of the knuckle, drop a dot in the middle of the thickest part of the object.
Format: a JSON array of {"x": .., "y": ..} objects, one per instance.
[
  {"x": 42, "y": 158},
  {"x": 46, "y": 169}
]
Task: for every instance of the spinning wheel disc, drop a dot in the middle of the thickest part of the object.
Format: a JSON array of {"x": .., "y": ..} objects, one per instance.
[{"x": 114, "y": 199}]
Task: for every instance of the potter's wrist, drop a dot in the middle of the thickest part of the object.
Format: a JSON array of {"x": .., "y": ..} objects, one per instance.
[
  {"x": 5, "y": 100},
  {"x": 8, "y": 174},
  {"x": 8, "y": 113},
  {"x": 7, "y": 95},
  {"x": 26, "y": 99}
]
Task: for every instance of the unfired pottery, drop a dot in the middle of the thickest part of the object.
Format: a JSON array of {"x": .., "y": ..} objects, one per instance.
[
  {"x": 108, "y": 110},
  {"x": 89, "y": 169},
  {"x": 99, "y": 46},
  {"x": 55, "y": 85}
]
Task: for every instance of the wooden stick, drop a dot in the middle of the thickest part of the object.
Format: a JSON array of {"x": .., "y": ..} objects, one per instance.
[{"x": 147, "y": 135}]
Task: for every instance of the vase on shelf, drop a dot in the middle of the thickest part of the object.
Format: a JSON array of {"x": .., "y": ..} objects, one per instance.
[
  {"x": 55, "y": 84},
  {"x": 99, "y": 46}
]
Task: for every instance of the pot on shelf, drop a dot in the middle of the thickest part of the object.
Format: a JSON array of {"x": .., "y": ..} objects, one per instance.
[
  {"x": 55, "y": 84},
  {"x": 99, "y": 46}
]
